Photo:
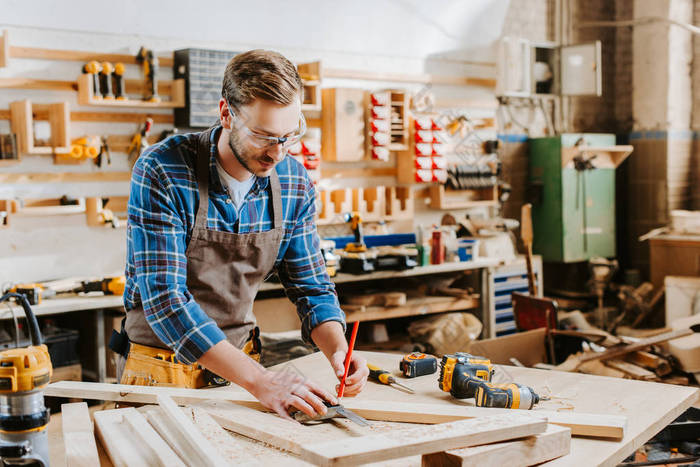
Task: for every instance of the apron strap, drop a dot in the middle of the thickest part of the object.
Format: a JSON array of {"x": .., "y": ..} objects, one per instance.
[{"x": 203, "y": 157}]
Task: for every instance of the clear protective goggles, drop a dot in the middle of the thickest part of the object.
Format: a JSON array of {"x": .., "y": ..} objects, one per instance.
[{"x": 264, "y": 141}]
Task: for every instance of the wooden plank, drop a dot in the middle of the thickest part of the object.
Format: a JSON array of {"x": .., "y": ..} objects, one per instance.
[
  {"x": 648, "y": 360},
  {"x": 631, "y": 370},
  {"x": 162, "y": 455},
  {"x": 205, "y": 452},
  {"x": 4, "y": 49},
  {"x": 122, "y": 117},
  {"x": 177, "y": 443},
  {"x": 422, "y": 440},
  {"x": 123, "y": 448},
  {"x": 44, "y": 84},
  {"x": 79, "y": 436},
  {"x": 583, "y": 424},
  {"x": 65, "y": 177},
  {"x": 80, "y": 56},
  {"x": 553, "y": 443}
]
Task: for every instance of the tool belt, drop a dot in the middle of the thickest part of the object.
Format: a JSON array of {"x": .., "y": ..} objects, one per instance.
[{"x": 153, "y": 366}]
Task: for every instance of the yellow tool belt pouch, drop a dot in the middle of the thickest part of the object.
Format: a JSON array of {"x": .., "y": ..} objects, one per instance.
[{"x": 151, "y": 366}]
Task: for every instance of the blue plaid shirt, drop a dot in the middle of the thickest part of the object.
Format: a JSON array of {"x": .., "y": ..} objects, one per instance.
[{"x": 161, "y": 216}]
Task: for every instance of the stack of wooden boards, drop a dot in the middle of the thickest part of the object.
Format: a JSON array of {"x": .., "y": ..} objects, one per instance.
[
  {"x": 217, "y": 428},
  {"x": 646, "y": 359}
]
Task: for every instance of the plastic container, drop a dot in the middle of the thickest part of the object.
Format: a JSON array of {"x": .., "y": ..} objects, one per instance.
[{"x": 467, "y": 249}]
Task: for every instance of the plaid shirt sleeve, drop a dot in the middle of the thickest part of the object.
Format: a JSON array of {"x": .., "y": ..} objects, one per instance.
[
  {"x": 303, "y": 271},
  {"x": 156, "y": 234}
]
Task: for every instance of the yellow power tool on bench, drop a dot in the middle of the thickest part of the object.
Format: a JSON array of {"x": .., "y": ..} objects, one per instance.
[{"x": 464, "y": 376}]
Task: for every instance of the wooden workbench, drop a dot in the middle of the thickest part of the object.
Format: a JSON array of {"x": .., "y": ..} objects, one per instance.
[{"x": 648, "y": 406}]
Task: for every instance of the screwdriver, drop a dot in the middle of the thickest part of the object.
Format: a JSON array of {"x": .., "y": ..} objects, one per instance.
[{"x": 384, "y": 377}]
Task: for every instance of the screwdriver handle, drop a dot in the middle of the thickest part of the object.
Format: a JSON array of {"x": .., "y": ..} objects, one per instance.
[{"x": 377, "y": 374}]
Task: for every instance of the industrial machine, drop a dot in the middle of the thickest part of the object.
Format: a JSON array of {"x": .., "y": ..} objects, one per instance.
[{"x": 24, "y": 373}]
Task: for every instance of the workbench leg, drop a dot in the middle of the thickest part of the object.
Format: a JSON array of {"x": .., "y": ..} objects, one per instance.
[
  {"x": 100, "y": 346},
  {"x": 488, "y": 307}
]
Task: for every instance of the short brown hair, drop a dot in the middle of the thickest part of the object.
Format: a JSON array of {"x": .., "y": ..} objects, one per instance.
[{"x": 261, "y": 74}]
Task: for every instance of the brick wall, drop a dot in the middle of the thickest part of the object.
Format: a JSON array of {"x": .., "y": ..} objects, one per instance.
[
  {"x": 593, "y": 114},
  {"x": 624, "y": 10}
]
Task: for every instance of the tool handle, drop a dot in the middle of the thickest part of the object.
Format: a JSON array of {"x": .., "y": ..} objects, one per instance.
[
  {"x": 379, "y": 375},
  {"x": 348, "y": 356}
]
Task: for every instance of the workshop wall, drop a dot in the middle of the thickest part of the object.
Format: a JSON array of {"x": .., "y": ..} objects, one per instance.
[
  {"x": 660, "y": 173},
  {"x": 448, "y": 37}
]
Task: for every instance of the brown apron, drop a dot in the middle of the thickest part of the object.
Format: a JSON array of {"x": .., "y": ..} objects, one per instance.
[{"x": 224, "y": 269}]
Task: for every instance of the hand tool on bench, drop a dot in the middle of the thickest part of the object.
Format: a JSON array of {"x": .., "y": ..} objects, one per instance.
[
  {"x": 332, "y": 411},
  {"x": 384, "y": 377},
  {"x": 418, "y": 364}
]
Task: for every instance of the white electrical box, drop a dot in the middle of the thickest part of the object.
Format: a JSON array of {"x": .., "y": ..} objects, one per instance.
[{"x": 527, "y": 68}]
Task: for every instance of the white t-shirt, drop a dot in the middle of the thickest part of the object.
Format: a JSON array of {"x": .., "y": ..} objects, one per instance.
[{"x": 236, "y": 190}]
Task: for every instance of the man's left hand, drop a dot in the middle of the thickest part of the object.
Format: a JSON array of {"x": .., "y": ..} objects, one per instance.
[{"x": 357, "y": 373}]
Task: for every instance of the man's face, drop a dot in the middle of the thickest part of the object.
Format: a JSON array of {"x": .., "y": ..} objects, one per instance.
[{"x": 261, "y": 118}]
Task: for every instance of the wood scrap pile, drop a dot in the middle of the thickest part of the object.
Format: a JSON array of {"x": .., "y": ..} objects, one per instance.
[
  {"x": 626, "y": 357},
  {"x": 220, "y": 427}
]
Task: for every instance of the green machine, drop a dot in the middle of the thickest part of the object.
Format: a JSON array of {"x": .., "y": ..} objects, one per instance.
[{"x": 572, "y": 190}]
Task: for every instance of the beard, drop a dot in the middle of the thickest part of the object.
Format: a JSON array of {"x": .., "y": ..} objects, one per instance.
[{"x": 249, "y": 159}]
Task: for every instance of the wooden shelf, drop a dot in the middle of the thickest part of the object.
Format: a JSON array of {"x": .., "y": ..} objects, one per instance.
[
  {"x": 86, "y": 96},
  {"x": 440, "y": 198},
  {"x": 443, "y": 268},
  {"x": 413, "y": 307},
  {"x": 21, "y": 118}
]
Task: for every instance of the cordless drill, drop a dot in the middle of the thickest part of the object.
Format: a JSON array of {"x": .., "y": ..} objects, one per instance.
[{"x": 464, "y": 376}]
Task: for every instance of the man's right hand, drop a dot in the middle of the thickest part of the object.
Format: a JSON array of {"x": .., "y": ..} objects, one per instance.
[
  {"x": 277, "y": 390},
  {"x": 281, "y": 391}
]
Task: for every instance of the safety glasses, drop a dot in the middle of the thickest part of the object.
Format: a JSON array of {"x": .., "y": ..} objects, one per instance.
[{"x": 264, "y": 141}]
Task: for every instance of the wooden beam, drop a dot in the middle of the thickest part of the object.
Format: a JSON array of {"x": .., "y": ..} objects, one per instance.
[
  {"x": 409, "y": 78},
  {"x": 65, "y": 177},
  {"x": 162, "y": 455},
  {"x": 648, "y": 360},
  {"x": 422, "y": 440},
  {"x": 201, "y": 448},
  {"x": 123, "y": 448},
  {"x": 79, "y": 436},
  {"x": 631, "y": 370},
  {"x": 553, "y": 443},
  {"x": 45, "y": 84},
  {"x": 80, "y": 56},
  {"x": 583, "y": 424},
  {"x": 4, "y": 49},
  {"x": 122, "y": 117}
]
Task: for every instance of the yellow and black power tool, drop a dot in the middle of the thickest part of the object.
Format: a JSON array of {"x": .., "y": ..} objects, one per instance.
[
  {"x": 464, "y": 376},
  {"x": 149, "y": 63},
  {"x": 24, "y": 373}
]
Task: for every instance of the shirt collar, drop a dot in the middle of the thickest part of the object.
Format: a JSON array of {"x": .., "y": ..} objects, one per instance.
[{"x": 260, "y": 184}]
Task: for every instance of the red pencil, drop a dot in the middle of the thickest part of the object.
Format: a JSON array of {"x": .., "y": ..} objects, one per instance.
[{"x": 341, "y": 389}]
